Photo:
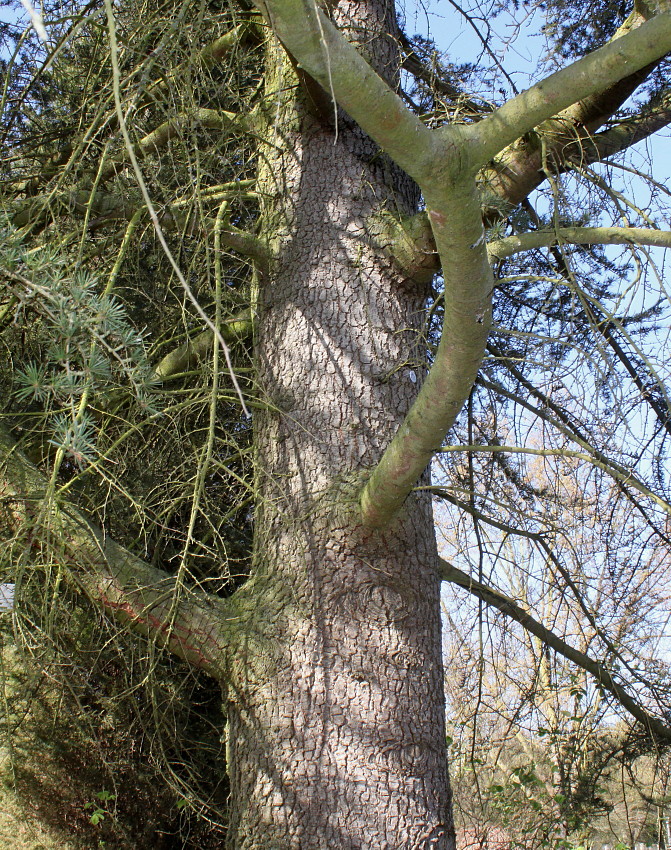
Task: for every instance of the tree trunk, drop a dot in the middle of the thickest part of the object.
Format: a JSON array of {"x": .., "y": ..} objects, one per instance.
[{"x": 336, "y": 727}]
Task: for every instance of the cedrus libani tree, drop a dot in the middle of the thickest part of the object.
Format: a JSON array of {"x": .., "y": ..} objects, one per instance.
[{"x": 269, "y": 166}]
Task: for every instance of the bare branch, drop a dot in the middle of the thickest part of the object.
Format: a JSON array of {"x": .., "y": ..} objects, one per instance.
[
  {"x": 620, "y": 473},
  {"x": 502, "y": 248},
  {"x": 511, "y": 609},
  {"x": 652, "y": 118}
]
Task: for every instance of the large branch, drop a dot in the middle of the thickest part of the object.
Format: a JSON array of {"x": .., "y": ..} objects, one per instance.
[
  {"x": 192, "y": 624},
  {"x": 567, "y": 137},
  {"x": 653, "y": 117},
  {"x": 410, "y": 241},
  {"x": 455, "y": 217},
  {"x": 454, "y": 214},
  {"x": 511, "y": 609},
  {"x": 320, "y": 50},
  {"x": 588, "y": 77},
  {"x": 444, "y": 162}
]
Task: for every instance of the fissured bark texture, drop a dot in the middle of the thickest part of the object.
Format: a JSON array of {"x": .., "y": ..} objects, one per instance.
[{"x": 336, "y": 726}]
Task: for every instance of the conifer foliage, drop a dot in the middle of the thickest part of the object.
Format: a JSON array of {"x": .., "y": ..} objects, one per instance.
[{"x": 263, "y": 267}]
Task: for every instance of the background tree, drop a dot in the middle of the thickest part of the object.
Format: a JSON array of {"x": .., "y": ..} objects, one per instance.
[
  {"x": 204, "y": 169},
  {"x": 537, "y": 750}
]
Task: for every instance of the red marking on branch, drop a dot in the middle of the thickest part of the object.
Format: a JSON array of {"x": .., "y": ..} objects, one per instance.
[
  {"x": 175, "y": 636},
  {"x": 437, "y": 217}
]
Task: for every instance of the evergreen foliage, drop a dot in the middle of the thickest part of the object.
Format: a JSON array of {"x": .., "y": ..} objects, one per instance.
[{"x": 161, "y": 456}]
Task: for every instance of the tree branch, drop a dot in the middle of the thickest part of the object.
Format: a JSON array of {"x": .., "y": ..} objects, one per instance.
[
  {"x": 323, "y": 52},
  {"x": 654, "y": 117},
  {"x": 502, "y": 248},
  {"x": 187, "y": 356},
  {"x": 511, "y": 609},
  {"x": 567, "y": 138},
  {"x": 216, "y": 51},
  {"x": 104, "y": 207},
  {"x": 445, "y": 495},
  {"x": 409, "y": 241},
  {"x": 617, "y": 472},
  {"x": 591, "y": 75},
  {"x": 539, "y": 539},
  {"x": 456, "y": 221},
  {"x": 210, "y": 119},
  {"x": 444, "y": 162},
  {"x": 192, "y": 624}
]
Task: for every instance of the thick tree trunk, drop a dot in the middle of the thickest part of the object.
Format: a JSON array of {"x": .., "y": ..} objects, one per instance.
[{"x": 336, "y": 725}]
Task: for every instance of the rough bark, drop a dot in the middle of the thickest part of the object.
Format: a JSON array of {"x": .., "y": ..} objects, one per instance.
[{"x": 336, "y": 719}]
